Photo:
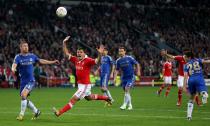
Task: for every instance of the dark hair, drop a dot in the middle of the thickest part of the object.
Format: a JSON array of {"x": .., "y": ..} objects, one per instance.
[
  {"x": 22, "y": 41},
  {"x": 105, "y": 48},
  {"x": 189, "y": 54},
  {"x": 122, "y": 47},
  {"x": 80, "y": 48}
]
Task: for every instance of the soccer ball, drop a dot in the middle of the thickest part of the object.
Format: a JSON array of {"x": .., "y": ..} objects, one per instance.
[{"x": 61, "y": 12}]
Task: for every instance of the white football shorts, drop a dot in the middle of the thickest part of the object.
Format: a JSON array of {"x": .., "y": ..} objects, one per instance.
[{"x": 83, "y": 90}]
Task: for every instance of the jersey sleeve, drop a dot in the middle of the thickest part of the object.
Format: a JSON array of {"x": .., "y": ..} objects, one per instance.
[
  {"x": 117, "y": 65},
  {"x": 133, "y": 61},
  {"x": 36, "y": 58},
  {"x": 16, "y": 59},
  {"x": 73, "y": 59},
  {"x": 200, "y": 61},
  {"x": 178, "y": 58},
  {"x": 91, "y": 61},
  {"x": 111, "y": 60}
]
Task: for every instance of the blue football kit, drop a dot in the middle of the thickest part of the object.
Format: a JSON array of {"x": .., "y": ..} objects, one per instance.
[
  {"x": 26, "y": 70},
  {"x": 196, "y": 81},
  {"x": 105, "y": 70},
  {"x": 126, "y": 66}
]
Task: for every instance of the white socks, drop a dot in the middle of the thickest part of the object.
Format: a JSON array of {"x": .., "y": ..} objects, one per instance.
[
  {"x": 29, "y": 104},
  {"x": 109, "y": 94},
  {"x": 32, "y": 106},
  {"x": 23, "y": 107},
  {"x": 189, "y": 109},
  {"x": 127, "y": 98}
]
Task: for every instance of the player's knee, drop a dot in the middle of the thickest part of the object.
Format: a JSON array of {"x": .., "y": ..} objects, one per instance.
[
  {"x": 190, "y": 101},
  {"x": 127, "y": 89},
  {"x": 23, "y": 97},
  {"x": 204, "y": 94},
  {"x": 88, "y": 98}
]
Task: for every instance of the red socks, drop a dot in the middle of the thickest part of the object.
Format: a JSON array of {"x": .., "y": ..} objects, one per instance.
[
  {"x": 168, "y": 90},
  {"x": 198, "y": 102},
  {"x": 99, "y": 97},
  {"x": 180, "y": 95},
  {"x": 161, "y": 88},
  {"x": 67, "y": 106}
]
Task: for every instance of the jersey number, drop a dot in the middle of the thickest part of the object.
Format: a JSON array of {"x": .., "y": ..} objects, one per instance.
[{"x": 195, "y": 66}]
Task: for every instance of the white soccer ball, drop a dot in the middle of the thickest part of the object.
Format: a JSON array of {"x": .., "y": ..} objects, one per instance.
[{"x": 61, "y": 12}]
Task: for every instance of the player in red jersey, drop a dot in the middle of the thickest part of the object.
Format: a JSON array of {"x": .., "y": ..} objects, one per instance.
[
  {"x": 181, "y": 60},
  {"x": 83, "y": 66},
  {"x": 167, "y": 76}
]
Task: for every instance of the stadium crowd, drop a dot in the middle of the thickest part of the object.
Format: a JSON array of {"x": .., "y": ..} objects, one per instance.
[{"x": 177, "y": 26}]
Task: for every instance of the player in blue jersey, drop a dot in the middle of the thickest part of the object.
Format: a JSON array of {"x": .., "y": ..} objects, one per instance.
[
  {"x": 106, "y": 71},
  {"x": 25, "y": 62},
  {"x": 196, "y": 83},
  {"x": 125, "y": 64}
]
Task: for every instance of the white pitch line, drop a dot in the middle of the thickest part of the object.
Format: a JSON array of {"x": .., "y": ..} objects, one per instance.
[
  {"x": 115, "y": 115},
  {"x": 135, "y": 109}
]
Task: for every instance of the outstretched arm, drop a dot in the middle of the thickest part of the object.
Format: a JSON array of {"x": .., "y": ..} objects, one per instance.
[
  {"x": 164, "y": 53},
  {"x": 100, "y": 51},
  {"x": 43, "y": 61},
  {"x": 65, "y": 49},
  {"x": 205, "y": 61}
]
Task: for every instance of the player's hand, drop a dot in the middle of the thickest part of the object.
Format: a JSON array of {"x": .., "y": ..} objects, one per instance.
[
  {"x": 163, "y": 52},
  {"x": 100, "y": 49},
  {"x": 56, "y": 62},
  {"x": 66, "y": 39}
]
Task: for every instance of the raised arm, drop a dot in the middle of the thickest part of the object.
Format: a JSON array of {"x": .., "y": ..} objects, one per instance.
[
  {"x": 164, "y": 53},
  {"x": 65, "y": 49},
  {"x": 100, "y": 51},
  {"x": 43, "y": 61}
]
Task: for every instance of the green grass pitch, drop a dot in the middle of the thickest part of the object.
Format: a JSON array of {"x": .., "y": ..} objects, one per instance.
[{"x": 149, "y": 109}]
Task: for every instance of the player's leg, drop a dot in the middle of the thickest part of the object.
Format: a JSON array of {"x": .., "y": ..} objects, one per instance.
[
  {"x": 180, "y": 83},
  {"x": 36, "y": 111},
  {"x": 67, "y": 107},
  {"x": 162, "y": 86},
  {"x": 197, "y": 100},
  {"x": 202, "y": 89},
  {"x": 125, "y": 102},
  {"x": 169, "y": 83},
  {"x": 127, "y": 98},
  {"x": 127, "y": 92},
  {"x": 88, "y": 96},
  {"x": 190, "y": 104},
  {"x": 104, "y": 86},
  {"x": 24, "y": 91},
  {"x": 80, "y": 94}
]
